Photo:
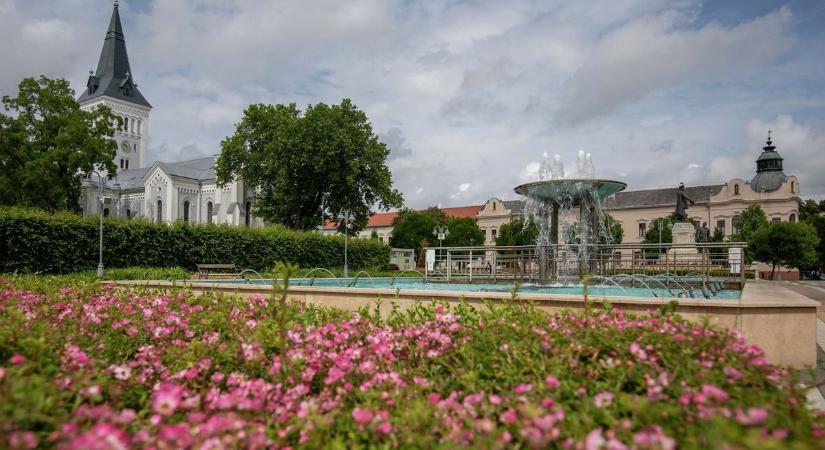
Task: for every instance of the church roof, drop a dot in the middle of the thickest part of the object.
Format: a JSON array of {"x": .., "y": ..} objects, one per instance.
[
  {"x": 660, "y": 197},
  {"x": 113, "y": 77},
  {"x": 195, "y": 169}
]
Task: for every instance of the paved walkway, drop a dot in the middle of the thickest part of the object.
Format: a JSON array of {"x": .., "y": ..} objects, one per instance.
[{"x": 815, "y": 290}]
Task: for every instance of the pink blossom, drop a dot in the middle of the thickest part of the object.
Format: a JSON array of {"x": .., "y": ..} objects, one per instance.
[
  {"x": 166, "y": 398},
  {"x": 552, "y": 382},
  {"x": 23, "y": 440},
  {"x": 603, "y": 399},
  {"x": 507, "y": 417},
  {"x": 714, "y": 393},
  {"x": 523, "y": 388},
  {"x": 385, "y": 428},
  {"x": 361, "y": 416},
  {"x": 122, "y": 373},
  {"x": 594, "y": 440},
  {"x": 17, "y": 359},
  {"x": 753, "y": 416}
]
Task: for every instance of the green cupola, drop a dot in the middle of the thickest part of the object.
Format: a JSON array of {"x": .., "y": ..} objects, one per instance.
[{"x": 769, "y": 174}]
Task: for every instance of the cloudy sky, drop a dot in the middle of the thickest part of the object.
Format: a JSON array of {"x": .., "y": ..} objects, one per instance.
[{"x": 470, "y": 94}]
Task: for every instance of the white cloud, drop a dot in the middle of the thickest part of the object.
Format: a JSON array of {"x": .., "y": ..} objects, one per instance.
[{"x": 656, "y": 51}]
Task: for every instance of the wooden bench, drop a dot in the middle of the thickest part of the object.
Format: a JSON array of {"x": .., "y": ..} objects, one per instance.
[{"x": 206, "y": 271}]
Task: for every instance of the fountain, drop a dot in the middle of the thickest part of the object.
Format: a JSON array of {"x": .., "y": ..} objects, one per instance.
[{"x": 578, "y": 201}]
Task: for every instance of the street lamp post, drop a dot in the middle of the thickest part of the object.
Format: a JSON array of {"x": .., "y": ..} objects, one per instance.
[
  {"x": 346, "y": 244},
  {"x": 441, "y": 232},
  {"x": 100, "y": 189}
]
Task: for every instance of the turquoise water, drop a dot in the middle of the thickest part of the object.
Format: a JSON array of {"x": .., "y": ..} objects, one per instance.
[{"x": 419, "y": 284}]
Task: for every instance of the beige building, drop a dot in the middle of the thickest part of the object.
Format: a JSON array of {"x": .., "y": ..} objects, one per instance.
[{"x": 717, "y": 205}]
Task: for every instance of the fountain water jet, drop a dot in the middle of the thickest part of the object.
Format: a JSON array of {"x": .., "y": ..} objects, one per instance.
[{"x": 553, "y": 195}]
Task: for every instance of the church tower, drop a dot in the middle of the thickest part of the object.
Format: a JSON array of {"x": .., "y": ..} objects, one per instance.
[{"x": 113, "y": 85}]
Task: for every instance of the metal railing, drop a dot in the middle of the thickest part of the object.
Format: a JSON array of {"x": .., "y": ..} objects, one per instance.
[{"x": 672, "y": 264}]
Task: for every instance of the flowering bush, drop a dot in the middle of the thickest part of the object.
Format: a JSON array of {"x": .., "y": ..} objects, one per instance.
[{"x": 111, "y": 368}]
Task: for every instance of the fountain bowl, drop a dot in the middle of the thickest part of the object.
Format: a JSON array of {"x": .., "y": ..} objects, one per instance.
[{"x": 575, "y": 189}]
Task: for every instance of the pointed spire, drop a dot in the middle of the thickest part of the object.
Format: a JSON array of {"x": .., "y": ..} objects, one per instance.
[
  {"x": 770, "y": 147},
  {"x": 112, "y": 77}
]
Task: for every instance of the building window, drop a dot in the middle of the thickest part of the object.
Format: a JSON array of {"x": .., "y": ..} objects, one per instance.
[
  {"x": 642, "y": 229},
  {"x": 160, "y": 211},
  {"x": 494, "y": 206},
  {"x": 133, "y": 126},
  {"x": 209, "y": 212},
  {"x": 121, "y": 163},
  {"x": 125, "y": 124},
  {"x": 127, "y": 164},
  {"x": 735, "y": 189},
  {"x": 792, "y": 187},
  {"x": 140, "y": 124},
  {"x": 776, "y": 219},
  {"x": 792, "y": 218},
  {"x": 246, "y": 216},
  {"x": 720, "y": 225},
  {"x": 105, "y": 212},
  {"x": 186, "y": 211},
  {"x": 135, "y": 147},
  {"x": 128, "y": 213},
  {"x": 495, "y": 232},
  {"x": 381, "y": 238}
]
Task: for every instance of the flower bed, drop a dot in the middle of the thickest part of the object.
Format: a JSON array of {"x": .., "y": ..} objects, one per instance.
[{"x": 100, "y": 368}]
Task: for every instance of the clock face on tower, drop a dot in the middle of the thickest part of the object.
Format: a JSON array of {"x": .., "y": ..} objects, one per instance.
[{"x": 125, "y": 147}]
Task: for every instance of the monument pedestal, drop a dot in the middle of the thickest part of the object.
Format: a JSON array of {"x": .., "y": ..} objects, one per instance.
[{"x": 684, "y": 235}]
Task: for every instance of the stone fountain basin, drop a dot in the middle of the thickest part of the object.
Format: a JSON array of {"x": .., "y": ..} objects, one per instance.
[{"x": 577, "y": 189}]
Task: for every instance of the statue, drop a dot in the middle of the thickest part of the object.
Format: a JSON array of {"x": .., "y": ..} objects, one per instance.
[
  {"x": 681, "y": 204},
  {"x": 703, "y": 233}
]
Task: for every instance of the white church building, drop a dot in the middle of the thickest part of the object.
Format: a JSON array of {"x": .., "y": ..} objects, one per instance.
[{"x": 159, "y": 192}]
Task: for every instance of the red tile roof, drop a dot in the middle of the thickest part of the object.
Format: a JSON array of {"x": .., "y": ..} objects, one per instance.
[{"x": 385, "y": 219}]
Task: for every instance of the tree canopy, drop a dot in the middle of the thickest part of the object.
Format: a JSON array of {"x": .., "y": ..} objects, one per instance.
[
  {"x": 752, "y": 219},
  {"x": 464, "y": 232},
  {"x": 518, "y": 232},
  {"x": 324, "y": 157},
  {"x": 48, "y": 142},
  {"x": 652, "y": 234},
  {"x": 785, "y": 243},
  {"x": 414, "y": 229}
]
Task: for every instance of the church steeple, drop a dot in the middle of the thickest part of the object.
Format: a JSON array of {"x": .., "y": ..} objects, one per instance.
[{"x": 114, "y": 77}]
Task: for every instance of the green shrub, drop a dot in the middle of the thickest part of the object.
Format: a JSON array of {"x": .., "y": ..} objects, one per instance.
[{"x": 34, "y": 241}]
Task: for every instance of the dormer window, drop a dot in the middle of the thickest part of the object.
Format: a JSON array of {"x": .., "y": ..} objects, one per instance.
[
  {"x": 735, "y": 189},
  {"x": 792, "y": 187},
  {"x": 494, "y": 206}
]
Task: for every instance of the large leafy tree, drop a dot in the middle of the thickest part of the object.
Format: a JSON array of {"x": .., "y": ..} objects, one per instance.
[
  {"x": 47, "y": 142},
  {"x": 818, "y": 223},
  {"x": 414, "y": 229},
  {"x": 808, "y": 209},
  {"x": 652, "y": 234},
  {"x": 326, "y": 157},
  {"x": 750, "y": 221},
  {"x": 518, "y": 232},
  {"x": 785, "y": 243},
  {"x": 464, "y": 232}
]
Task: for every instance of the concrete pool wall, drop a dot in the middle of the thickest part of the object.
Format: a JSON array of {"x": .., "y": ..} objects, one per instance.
[{"x": 779, "y": 320}]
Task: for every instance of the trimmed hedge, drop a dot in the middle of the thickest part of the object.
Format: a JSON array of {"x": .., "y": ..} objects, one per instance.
[{"x": 35, "y": 241}]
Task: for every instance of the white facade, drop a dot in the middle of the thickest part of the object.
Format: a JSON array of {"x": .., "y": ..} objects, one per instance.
[{"x": 131, "y": 135}]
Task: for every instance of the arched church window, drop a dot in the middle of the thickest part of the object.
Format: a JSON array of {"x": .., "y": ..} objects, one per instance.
[
  {"x": 160, "y": 211},
  {"x": 128, "y": 213},
  {"x": 735, "y": 189},
  {"x": 140, "y": 124},
  {"x": 494, "y": 206},
  {"x": 209, "y": 212},
  {"x": 792, "y": 187},
  {"x": 125, "y": 124},
  {"x": 121, "y": 163},
  {"x": 127, "y": 164},
  {"x": 246, "y": 217},
  {"x": 105, "y": 212},
  {"x": 792, "y": 218},
  {"x": 186, "y": 211},
  {"x": 133, "y": 126}
]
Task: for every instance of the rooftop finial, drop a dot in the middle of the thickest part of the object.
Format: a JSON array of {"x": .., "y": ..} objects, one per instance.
[
  {"x": 117, "y": 4},
  {"x": 769, "y": 137}
]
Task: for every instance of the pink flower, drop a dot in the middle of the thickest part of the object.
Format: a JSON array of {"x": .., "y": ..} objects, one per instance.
[
  {"x": 177, "y": 435},
  {"x": 166, "y": 398},
  {"x": 523, "y": 388},
  {"x": 121, "y": 373},
  {"x": 753, "y": 416},
  {"x": 552, "y": 382},
  {"x": 17, "y": 359},
  {"x": 594, "y": 440},
  {"x": 361, "y": 416},
  {"x": 385, "y": 428},
  {"x": 508, "y": 417},
  {"x": 22, "y": 439},
  {"x": 714, "y": 393},
  {"x": 603, "y": 399}
]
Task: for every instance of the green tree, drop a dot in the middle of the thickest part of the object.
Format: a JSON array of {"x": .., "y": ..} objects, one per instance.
[
  {"x": 328, "y": 155},
  {"x": 518, "y": 232},
  {"x": 752, "y": 219},
  {"x": 464, "y": 232},
  {"x": 818, "y": 223},
  {"x": 808, "y": 209},
  {"x": 615, "y": 232},
  {"x": 652, "y": 234},
  {"x": 48, "y": 142},
  {"x": 785, "y": 243},
  {"x": 414, "y": 229}
]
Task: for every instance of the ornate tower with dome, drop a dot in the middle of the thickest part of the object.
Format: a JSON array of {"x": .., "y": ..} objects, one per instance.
[{"x": 113, "y": 84}]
